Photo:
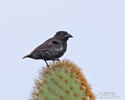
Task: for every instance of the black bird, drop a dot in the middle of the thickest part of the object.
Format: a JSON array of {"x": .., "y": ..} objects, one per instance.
[{"x": 52, "y": 49}]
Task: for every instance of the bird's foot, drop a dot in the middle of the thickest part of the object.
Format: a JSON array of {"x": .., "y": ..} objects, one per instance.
[{"x": 46, "y": 63}]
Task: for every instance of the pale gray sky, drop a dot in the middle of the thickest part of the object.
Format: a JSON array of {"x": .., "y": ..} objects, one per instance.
[{"x": 98, "y": 46}]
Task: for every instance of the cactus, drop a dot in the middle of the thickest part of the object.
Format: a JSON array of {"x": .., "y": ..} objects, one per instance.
[{"x": 62, "y": 81}]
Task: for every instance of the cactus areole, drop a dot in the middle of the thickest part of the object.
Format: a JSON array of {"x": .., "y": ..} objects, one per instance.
[{"x": 62, "y": 81}]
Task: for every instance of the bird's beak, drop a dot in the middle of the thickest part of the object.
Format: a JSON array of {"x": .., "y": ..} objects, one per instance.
[{"x": 69, "y": 36}]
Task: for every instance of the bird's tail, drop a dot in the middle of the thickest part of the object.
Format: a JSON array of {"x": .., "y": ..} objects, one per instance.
[{"x": 28, "y": 56}]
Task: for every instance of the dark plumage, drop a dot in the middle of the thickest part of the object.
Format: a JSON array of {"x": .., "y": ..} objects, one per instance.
[{"x": 52, "y": 49}]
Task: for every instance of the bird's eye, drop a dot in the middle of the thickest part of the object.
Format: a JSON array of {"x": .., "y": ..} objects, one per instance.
[{"x": 54, "y": 42}]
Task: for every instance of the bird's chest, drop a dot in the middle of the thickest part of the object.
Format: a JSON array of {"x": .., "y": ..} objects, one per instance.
[{"x": 60, "y": 50}]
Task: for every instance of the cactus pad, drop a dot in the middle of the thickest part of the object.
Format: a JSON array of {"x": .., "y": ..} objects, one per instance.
[{"x": 62, "y": 81}]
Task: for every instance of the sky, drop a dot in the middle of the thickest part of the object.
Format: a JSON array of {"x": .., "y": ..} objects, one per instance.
[{"x": 98, "y": 46}]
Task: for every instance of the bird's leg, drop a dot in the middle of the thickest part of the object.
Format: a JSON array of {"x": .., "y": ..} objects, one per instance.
[
  {"x": 46, "y": 63},
  {"x": 56, "y": 59}
]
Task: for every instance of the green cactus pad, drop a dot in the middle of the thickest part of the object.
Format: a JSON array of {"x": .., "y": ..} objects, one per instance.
[{"x": 62, "y": 81}]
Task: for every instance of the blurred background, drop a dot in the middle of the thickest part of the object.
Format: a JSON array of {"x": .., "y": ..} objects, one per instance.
[{"x": 98, "y": 46}]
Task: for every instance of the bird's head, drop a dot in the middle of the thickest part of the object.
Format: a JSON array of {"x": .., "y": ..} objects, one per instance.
[{"x": 63, "y": 35}]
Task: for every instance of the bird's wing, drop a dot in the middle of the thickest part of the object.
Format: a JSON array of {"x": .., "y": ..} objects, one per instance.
[{"x": 47, "y": 45}]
